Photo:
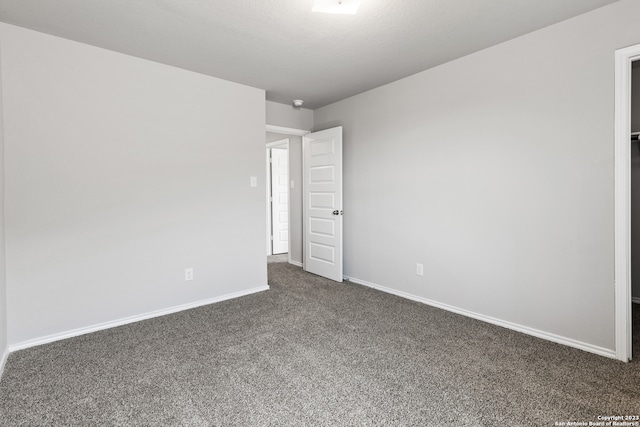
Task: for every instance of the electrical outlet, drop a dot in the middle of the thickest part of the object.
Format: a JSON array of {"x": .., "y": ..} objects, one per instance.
[
  {"x": 188, "y": 274},
  {"x": 419, "y": 269}
]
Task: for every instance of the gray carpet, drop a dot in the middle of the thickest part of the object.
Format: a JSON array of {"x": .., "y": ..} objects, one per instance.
[
  {"x": 312, "y": 352},
  {"x": 277, "y": 258}
]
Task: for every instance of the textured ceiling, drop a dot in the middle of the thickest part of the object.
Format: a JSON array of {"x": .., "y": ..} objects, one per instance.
[{"x": 280, "y": 46}]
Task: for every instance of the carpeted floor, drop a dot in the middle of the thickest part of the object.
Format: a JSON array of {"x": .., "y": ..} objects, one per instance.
[
  {"x": 277, "y": 258},
  {"x": 313, "y": 352}
]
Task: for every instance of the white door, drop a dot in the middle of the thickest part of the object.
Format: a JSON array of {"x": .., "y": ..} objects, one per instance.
[
  {"x": 322, "y": 203},
  {"x": 280, "y": 200}
]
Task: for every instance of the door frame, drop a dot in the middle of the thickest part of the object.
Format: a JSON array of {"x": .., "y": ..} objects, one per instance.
[
  {"x": 622, "y": 200},
  {"x": 280, "y": 143},
  {"x": 291, "y": 132}
]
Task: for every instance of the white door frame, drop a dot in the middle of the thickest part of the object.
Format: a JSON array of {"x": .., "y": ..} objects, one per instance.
[
  {"x": 287, "y": 131},
  {"x": 622, "y": 204},
  {"x": 293, "y": 132},
  {"x": 285, "y": 144}
]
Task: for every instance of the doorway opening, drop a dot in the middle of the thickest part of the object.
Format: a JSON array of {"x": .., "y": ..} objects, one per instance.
[
  {"x": 624, "y": 199},
  {"x": 275, "y": 137},
  {"x": 278, "y": 214}
]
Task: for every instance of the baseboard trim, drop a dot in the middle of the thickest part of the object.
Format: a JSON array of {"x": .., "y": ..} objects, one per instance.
[
  {"x": 131, "y": 319},
  {"x": 3, "y": 361},
  {"x": 296, "y": 263},
  {"x": 503, "y": 323},
  {"x": 635, "y": 300}
]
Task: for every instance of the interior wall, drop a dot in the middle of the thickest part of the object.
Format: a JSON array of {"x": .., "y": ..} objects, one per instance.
[
  {"x": 496, "y": 172},
  {"x": 289, "y": 116},
  {"x": 635, "y": 182},
  {"x": 121, "y": 173},
  {"x": 3, "y": 283},
  {"x": 635, "y": 96},
  {"x": 295, "y": 195}
]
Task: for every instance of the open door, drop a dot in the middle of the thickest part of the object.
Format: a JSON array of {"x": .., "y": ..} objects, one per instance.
[
  {"x": 279, "y": 200},
  {"x": 322, "y": 203}
]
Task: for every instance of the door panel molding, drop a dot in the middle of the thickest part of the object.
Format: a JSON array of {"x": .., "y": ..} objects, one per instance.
[{"x": 322, "y": 203}]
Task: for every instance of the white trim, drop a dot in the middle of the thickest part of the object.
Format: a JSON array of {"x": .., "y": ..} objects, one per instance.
[
  {"x": 279, "y": 143},
  {"x": 3, "y": 361},
  {"x": 304, "y": 207},
  {"x": 296, "y": 263},
  {"x": 287, "y": 131},
  {"x": 503, "y": 323},
  {"x": 131, "y": 319},
  {"x": 622, "y": 195},
  {"x": 268, "y": 202},
  {"x": 635, "y": 300},
  {"x": 288, "y": 201}
]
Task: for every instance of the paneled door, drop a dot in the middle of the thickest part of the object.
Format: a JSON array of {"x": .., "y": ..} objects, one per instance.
[{"x": 322, "y": 203}]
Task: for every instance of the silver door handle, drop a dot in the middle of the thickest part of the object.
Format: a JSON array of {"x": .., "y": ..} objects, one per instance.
[{"x": 338, "y": 212}]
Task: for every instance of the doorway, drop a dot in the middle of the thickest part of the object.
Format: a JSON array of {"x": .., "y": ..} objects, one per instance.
[
  {"x": 278, "y": 213},
  {"x": 277, "y": 134},
  {"x": 624, "y": 60}
]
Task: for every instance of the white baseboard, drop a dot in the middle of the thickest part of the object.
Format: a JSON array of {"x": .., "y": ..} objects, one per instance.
[
  {"x": 505, "y": 324},
  {"x": 296, "y": 263},
  {"x": 635, "y": 300},
  {"x": 3, "y": 361},
  {"x": 131, "y": 319}
]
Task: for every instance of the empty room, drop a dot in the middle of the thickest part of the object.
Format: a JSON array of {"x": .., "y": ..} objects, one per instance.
[{"x": 320, "y": 212}]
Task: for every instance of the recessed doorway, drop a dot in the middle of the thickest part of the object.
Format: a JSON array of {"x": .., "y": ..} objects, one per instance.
[{"x": 278, "y": 197}]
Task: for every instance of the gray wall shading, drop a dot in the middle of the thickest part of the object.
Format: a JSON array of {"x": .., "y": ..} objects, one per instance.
[
  {"x": 288, "y": 116},
  {"x": 635, "y": 182},
  {"x": 635, "y": 97},
  {"x": 295, "y": 205},
  {"x": 3, "y": 283},
  {"x": 495, "y": 171},
  {"x": 120, "y": 174}
]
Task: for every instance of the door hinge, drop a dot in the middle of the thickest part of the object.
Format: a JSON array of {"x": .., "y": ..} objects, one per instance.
[{"x": 271, "y": 237}]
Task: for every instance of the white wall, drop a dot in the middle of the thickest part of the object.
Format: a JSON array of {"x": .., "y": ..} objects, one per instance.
[
  {"x": 295, "y": 193},
  {"x": 288, "y": 116},
  {"x": 120, "y": 174},
  {"x": 635, "y": 182},
  {"x": 496, "y": 172}
]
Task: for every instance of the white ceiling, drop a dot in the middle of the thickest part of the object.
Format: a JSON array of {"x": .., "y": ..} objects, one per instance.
[{"x": 280, "y": 46}]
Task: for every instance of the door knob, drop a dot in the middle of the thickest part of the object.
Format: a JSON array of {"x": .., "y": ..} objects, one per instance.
[{"x": 336, "y": 212}]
